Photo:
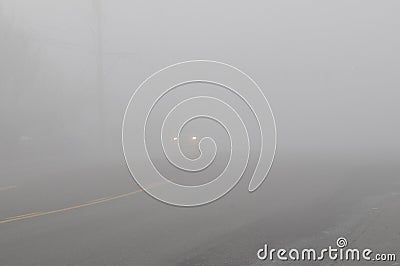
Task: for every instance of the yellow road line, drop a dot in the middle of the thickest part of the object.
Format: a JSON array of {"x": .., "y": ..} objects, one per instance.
[
  {"x": 7, "y": 187},
  {"x": 23, "y": 215},
  {"x": 90, "y": 203},
  {"x": 99, "y": 199}
]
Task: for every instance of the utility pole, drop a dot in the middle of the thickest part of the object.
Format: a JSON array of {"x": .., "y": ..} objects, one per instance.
[{"x": 99, "y": 76}]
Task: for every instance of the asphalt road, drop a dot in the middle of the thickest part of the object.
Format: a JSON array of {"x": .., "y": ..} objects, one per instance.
[{"x": 56, "y": 217}]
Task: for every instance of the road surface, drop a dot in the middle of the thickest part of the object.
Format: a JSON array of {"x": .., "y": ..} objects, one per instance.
[{"x": 57, "y": 217}]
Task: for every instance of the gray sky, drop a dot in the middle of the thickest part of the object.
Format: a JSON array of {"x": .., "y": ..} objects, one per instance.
[{"x": 329, "y": 70}]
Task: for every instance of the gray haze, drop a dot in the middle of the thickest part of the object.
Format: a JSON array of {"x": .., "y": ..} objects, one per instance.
[{"x": 330, "y": 71}]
